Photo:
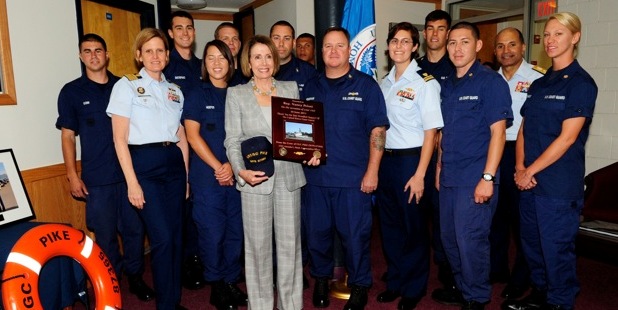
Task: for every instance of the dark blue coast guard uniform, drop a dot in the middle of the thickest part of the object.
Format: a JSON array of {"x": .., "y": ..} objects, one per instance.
[
  {"x": 298, "y": 71},
  {"x": 353, "y": 106},
  {"x": 470, "y": 105},
  {"x": 81, "y": 108},
  {"x": 184, "y": 73},
  {"x": 413, "y": 106},
  {"x": 237, "y": 78},
  {"x": 440, "y": 70},
  {"x": 188, "y": 75},
  {"x": 506, "y": 218},
  {"x": 550, "y": 211},
  {"x": 216, "y": 208}
]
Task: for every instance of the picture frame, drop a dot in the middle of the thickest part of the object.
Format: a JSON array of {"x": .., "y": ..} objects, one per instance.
[{"x": 15, "y": 204}]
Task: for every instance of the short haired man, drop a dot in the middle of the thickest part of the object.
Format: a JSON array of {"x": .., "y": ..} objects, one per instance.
[
  {"x": 290, "y": 68},
  {"x": 81, "y": 111},
  {"x": 437, "y": 63},
  {"x": 228, "y": 33},
  {"x": 338, "y": 194},
  {"x": 436, "y": 60},
  {"x": 185, "y": 70},
  {"x": 509, "y": 50},
  {"x": 476, "y": 106},
  {"x": 305, "y": 48}
]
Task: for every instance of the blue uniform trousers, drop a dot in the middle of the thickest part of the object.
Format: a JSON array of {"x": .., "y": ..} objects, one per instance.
[
  {"x": 405, "y": 236},
  {"x": 432, "y": 199},
  {"x": 505, "y": 221},
  {"x": 108, "y": 212},
  {"x": 161, "y": 174},
  {"x": 465, "y": 235},
  {"x": 548, "y": 230},
  {"x": 218, "y": 217},
  {"x": 347, "y": 212}
]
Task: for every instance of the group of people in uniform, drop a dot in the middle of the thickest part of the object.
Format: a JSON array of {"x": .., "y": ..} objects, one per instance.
[{"x": 441, "y": 134}]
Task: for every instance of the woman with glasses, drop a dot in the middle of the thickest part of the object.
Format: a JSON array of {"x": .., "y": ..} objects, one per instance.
[{"x": 413, "y": 108}]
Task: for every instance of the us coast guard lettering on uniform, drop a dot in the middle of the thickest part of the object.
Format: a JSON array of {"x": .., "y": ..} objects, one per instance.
[
  {"x": 557, "y": 97},
  {"x": 462, "y": 98}
]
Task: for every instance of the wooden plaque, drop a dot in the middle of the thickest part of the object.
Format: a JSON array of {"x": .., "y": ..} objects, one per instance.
[{"x": 298, "y": 129}]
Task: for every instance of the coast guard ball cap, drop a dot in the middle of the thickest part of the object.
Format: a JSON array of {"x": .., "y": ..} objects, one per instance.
[{"x": 257, "y": 153}]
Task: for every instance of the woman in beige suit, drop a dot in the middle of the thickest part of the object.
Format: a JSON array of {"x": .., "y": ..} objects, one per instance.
[{"x": 267, "y": 202}]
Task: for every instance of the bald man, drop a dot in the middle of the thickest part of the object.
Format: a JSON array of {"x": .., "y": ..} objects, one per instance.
[{"x": 509, "y": 50}]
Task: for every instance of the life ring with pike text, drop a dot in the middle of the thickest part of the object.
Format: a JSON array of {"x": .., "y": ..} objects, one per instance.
[{"x": 20, "y": 289}]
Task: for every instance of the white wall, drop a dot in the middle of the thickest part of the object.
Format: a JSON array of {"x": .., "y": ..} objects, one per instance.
[
  {"x": 44, "y": 48},
  {"x": 268, "y": 14},
  {"x": 395, "y": 11},
  {"x": 204, "y": 33},
  {"x": 597, "y": 54}
]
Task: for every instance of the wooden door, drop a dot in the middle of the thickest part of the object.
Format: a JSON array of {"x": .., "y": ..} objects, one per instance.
[
  {"x": 118, "y": 27},
  {"x": 488, "y": 30}
]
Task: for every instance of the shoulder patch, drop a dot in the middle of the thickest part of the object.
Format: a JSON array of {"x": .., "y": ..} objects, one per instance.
[
  {"x": 540, "y": 70},
  {"x": 425, "y": 75},
  {"x": 133, "y": 77}
]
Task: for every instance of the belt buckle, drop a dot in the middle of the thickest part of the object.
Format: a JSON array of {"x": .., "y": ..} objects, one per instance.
[{"x": 166, "y": 143}]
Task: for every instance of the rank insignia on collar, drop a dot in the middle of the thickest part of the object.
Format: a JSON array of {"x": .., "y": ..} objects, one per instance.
[
  {"x": 141, "y": 90},
  {"x": 566, "y": 76}
]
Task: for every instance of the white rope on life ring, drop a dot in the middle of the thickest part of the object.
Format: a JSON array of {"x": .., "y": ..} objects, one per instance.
[{"x": 20, "y": 289}]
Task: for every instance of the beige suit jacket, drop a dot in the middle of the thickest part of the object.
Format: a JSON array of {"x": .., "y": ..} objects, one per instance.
[{"x": 243, "y": 120}]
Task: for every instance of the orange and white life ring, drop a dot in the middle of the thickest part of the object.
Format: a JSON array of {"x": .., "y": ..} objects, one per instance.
[{"x": 20, "y": 289}]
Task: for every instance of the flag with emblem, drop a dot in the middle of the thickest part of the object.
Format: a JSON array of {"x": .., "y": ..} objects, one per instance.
[{"x": 359, "y": 20}]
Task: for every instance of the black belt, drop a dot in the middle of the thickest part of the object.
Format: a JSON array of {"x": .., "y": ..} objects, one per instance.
[
  {"x": 509, "y": 144},
  {"x": 150, "y": 145},
  {"x": 402, "y": 152}
]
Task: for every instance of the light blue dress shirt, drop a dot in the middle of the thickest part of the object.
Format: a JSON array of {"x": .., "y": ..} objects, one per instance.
[
  {"x": 412, "y": 106},
  {"x": 154, "y": 108},
  {"x": 519, "y": 85}
]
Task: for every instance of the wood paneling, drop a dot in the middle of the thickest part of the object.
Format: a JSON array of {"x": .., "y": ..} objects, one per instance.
[
  {"x": 51, "y": 200},
  {"x": 118, "y": 27},
  {"x": 213, "y": 16}
]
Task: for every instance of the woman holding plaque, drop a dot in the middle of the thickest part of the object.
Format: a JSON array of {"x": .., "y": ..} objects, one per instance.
[{"x": 270, "y": 189}]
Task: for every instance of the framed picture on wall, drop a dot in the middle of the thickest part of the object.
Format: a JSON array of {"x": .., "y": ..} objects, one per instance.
[{"x": 14, "y": 202}]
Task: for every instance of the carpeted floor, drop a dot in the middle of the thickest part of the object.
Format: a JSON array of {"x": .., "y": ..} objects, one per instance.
[{"x": 599, "y": 288}]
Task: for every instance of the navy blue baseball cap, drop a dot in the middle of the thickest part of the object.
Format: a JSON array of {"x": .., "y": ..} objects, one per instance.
[{"x": 257, "y": 153}]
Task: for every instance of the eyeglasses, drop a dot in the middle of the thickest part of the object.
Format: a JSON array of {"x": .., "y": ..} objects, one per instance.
[{"x": 404, "y": 42}]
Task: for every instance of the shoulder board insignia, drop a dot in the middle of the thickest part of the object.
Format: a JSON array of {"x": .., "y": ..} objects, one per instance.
[
  {"x": 426, "y": 76},
  {"x": 540, "y": 70},
  {"x": 133, "y": 77}
]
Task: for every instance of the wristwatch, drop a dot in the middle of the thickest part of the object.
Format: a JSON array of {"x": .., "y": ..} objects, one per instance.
[{"x": 488, "y": 177}]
